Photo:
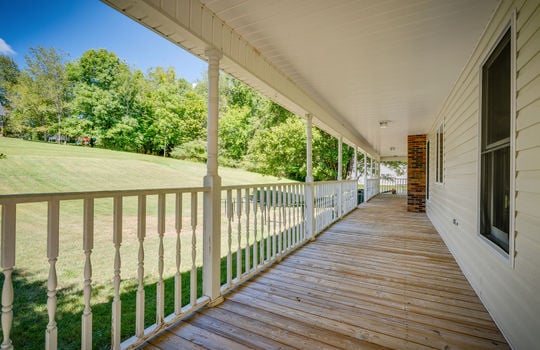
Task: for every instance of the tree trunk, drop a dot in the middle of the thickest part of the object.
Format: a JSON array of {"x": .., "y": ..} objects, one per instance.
[{"x": 165, "y": 146}]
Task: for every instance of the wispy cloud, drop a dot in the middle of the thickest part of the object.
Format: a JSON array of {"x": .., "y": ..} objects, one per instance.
[{"x": 5, "y": 49}]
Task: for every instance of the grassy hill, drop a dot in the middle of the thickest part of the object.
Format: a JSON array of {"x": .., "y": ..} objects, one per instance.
[{"x": 31, "y": 167}]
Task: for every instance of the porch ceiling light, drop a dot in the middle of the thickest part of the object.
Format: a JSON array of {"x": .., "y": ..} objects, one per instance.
[{"x": 383, "y": 124}]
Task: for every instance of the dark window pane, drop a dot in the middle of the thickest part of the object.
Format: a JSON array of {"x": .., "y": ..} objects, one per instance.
[
  {"x": 497, "y": 90},
  {"x": 495, "y": 196},
  {"x": 495, "y": 159},
  {"x": 501, "y": 190}
]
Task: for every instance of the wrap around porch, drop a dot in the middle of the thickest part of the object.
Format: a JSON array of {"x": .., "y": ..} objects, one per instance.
[{"x": 381, "y": 277}]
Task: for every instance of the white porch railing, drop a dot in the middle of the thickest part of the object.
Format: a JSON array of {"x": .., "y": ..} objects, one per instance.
[
  {"x": 186, "y": 210},
  {"x": 395, "y": 186},
  {"x": 371, "y": 188},
  {"x": 260, "y": 224},
  {"x": 333, "y": 199}
]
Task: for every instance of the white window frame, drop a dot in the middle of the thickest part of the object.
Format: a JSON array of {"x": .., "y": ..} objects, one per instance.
[{"x": 509, "y": 257}]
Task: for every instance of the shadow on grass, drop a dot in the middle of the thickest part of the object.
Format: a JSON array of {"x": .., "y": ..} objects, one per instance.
[{"x": 31, "y": 317}]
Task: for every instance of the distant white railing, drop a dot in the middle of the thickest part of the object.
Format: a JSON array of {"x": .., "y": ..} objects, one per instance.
[
  {"x": 371, "y": 188},
  {"x": 260, "y": 224},
  {"x": 333, "y": 199},
  {"x": 395, "y": 186}
]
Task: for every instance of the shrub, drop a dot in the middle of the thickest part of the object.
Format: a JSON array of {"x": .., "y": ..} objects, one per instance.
[{"x": 193, "y": 150}]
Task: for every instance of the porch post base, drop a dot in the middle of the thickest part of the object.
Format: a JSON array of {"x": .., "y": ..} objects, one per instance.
[{"x": 216, "y": 301}]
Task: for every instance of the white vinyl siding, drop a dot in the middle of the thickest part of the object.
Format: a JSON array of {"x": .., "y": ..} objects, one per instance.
[{"x": 510, "y": 291}]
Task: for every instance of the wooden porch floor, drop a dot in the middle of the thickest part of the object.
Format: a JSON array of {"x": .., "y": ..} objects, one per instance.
[{"x": 380, "y": 278}]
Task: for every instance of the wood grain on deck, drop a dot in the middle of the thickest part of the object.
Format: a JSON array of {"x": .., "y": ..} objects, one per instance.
[{"x": 379, "y": 278}]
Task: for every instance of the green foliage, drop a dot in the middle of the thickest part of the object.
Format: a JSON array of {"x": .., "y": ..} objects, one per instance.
[
  {"x": 400, "y": 167},
  {"x": 99, "y": 96},
  {"x": 39, "y": 98},
  {"x": 280, "y": 150},
  {"x": 9, "y": 74},
  {"x": 234, "y": 132},
  {"x": 193, "y": 150}
]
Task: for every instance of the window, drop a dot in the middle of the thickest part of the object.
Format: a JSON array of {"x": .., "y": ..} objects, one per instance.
[
  {"x": 495, "y": 144},
  {"x": 439, "y": 155}
]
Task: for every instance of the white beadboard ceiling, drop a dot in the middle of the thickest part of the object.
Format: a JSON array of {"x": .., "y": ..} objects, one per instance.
[{"x": 362, "y": 60}]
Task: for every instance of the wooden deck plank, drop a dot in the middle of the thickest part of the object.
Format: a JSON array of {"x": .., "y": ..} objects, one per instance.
[
  {"x": 311, "y": 331},
  {"x": 380, "y": 278}
]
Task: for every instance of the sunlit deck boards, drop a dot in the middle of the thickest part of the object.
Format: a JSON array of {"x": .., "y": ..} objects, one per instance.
[{"x": 380, "y": 278}]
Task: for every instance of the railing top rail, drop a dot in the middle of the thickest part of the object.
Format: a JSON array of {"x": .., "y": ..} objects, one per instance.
[
  {"x": 238, "y": 187},
  {"x": 44, "y": 197},
  {"x": 333, "y": 182}
]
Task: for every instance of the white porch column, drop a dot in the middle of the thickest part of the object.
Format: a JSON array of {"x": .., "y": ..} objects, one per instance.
[
  {"x": 340, "y": 177},
  {"x": 309, "y": 192},
  {"x": 212, "y": 199}
]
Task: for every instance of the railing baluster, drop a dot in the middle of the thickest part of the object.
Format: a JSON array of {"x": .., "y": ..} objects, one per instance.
[
  {"x": 319, "y": 212},
  {"x": 116, "y": 304},
  {"x": 296, "y": 216},
  {"x": 141, "y": 234},
  {"x": 269, "y": 205},
  {"x": 88, "y": 245},
  {"x": 178, "y": 275},
  {"x": 230, "y": 216},
  {"x": 263, "y": 224},
  {"x": 280, "y": 219},
  {"x": 255, "y": 233},
  {"x": 239, "y": 233},
  {"x": 315, "y": 209},
  {"x": 290, "y": 228},
  {"x": 246, "y": 209},
  {"x": 193, "y": 276},
  {"x": 53, "y": 228},
  {"x": 160, "y": 286},
  {"x": 285, "y": 230},
  {"x": 274, "y": 233},
  {"x": 9, "y": 217}
]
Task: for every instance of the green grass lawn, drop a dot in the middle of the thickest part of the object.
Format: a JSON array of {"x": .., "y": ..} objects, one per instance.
[{"x": 31, "y": 167}]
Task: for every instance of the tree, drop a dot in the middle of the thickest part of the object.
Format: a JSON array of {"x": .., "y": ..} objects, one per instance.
[
  {"x": 46, "y": 68},
  {"x": 31, "y": 114},
  {"x": 280, "y": 150},
  {"x": 109, "y": 97},
  {"x": 9, "y": 73},
  {"x": 234, "y": 133},
  {"x": 176, "y": 114},
  {"x": 399, "y": 167}
]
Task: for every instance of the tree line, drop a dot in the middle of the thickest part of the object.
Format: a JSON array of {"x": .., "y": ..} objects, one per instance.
[{"x": 99, "y": 99}]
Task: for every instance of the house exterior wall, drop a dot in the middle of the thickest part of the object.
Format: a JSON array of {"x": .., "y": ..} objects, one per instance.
[
  {"x": 508, "y": 286},
  {"x": 416, "y": 173}
]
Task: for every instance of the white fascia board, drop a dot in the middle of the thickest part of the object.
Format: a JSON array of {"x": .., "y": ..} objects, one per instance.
[{"x": 192, "y": 26}]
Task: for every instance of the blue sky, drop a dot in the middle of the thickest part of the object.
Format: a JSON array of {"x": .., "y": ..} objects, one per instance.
[{"x": 75, "y": 26}]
